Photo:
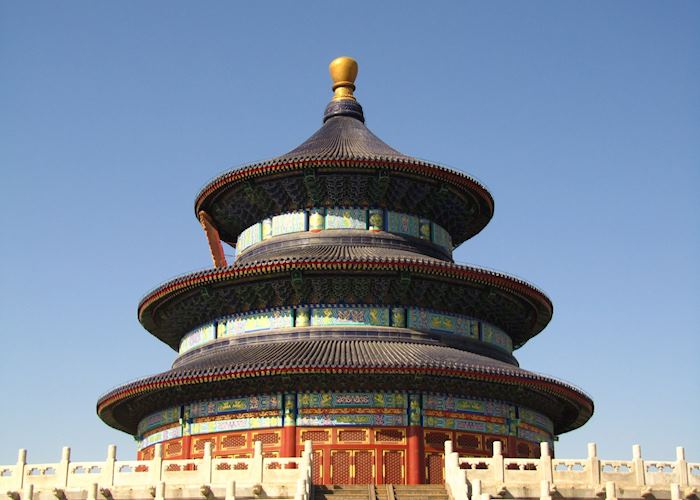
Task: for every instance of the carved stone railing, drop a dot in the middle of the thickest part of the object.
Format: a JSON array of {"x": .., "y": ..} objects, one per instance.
[
  {"x": 202, "y": 478},
  {"x": 482, "y": 478}
]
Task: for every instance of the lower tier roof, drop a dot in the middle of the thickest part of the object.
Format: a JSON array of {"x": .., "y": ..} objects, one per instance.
[{"x": 317, "y": 365}]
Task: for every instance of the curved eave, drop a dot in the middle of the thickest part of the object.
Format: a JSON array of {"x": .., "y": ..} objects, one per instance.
[
  {"x": 541, "y": 306},
  {"x": 286, "y": 166},
  {"x": 187, "y": 386}
]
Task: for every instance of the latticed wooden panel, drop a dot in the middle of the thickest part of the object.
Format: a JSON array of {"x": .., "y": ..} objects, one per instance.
[
  {"x": 317, "y": 436},
  {"x": 352, "y": 435},
  {"x": 198, "y": 445},
  {"x": 523, "y": 450},
  {"x": 468, "y": 442},
  {"x": 490, "y": 441},
  {"x": 317, "y": 467},
  {"x": 364, "y": 467},
  {"x": 340, "y": 467},
  {"x": 436, "y": 439},
  {"x": 267, "y": 438},
  {"x": 148, "y": 453},
  {"x": 433, "y": 468},
  {"x": 393, "y": 467},
  {"x": 233, "y": 441},
  {"x": 173, "y": 448},
  {"x": 389, "y": 436}
]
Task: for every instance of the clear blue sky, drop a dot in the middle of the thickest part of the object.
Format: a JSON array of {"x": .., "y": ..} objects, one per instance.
[{"x": 582, "y": 118}]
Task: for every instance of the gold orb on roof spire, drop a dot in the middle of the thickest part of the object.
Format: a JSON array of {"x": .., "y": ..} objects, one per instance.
[{"x": 343, "y": 72}]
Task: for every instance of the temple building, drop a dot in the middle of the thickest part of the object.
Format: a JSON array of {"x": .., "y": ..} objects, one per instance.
[{"x": 344, "y": 320}]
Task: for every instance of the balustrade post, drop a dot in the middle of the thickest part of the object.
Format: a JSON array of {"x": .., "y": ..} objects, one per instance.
[
  {"x": 19, "y": 469},
  {"x": 156, "y": 467},
  {"x": 92, "y": 492},
  {"x": 230, "y": 490},
  {"x": 28, "y": 492},
  {"x": 544, "y": 490},
  {"x": 110, "y": 465},
  {"x": 545, "y": 464},
  {"x": 638, "y": 464},
  {"x": 610, "y": 490},
  {"x": 499, "y": 472},
  {"x": 160, "y": 491},
  {"x": 675, "y": 491},
  {"x": 682, "y": 467},
  {"x": 476, "y": 489},
  {"x": 257, "y": 469},
  {"x": 206, "y": 461},
  {"x": 64, "y": 464},
  {"x": 593, "y": 465}
]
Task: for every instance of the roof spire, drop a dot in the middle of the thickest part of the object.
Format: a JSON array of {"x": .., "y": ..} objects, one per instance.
[{"x": 343, "y": 72}]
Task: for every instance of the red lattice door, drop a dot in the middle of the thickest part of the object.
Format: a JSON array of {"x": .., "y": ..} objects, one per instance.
[
  {"x": 434, "y": 468},
  {"x": 317, "y": 466},
  {"x": 394, "y": 467},
  {"x": 341, "y": 460},
  {"x": 363, "y": 470},
  {"x": 352, "y": 467}
]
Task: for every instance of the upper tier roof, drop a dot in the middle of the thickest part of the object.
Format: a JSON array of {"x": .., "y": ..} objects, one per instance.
[{"x": 345, "y": 164}]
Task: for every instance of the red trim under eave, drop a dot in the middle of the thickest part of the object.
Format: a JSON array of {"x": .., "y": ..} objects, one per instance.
[
  {"x": 424, "y": 168},
  {"x": 446, "y": 269},
  {"x": 548, "y": 386}
]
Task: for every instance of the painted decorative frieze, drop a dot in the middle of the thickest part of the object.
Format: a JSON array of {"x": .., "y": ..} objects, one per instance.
[
  {"x": 349, "y": 316},
  {"x": 535, "y": 419},
  {"x": 197, "y": 337},
  {"x": 319, "y": 219},
  {"x": 351, "y": 399},
  {"x": 376, "y": 219},
  {"x": 235, "y": 424},
  {"x": 158, "y": 437},
  {"x": 493, "y": 335},
  {"x": 441, "y": 237},
  {"x": 346, "y": 218},
  {"x": 158, "y": 419},
  {"x": 234, "y": 405},
  {"x": 402, "y": 224},
  {"x": 447, "y": 403},
  {"x": 292, "y": 222},
  {"x": 430, "y": 321},
  {"x": 256, "y": 321},
  {"x": 249, "y": 237}
]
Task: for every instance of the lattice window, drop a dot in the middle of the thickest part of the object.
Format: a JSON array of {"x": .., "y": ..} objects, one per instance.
[
  {"x": 364, "y": 467},
  {"x": 434, "y": 468},
  {"x": 174, "y": 448},
  {"x": 317, "y": 436},
  {"x": 233, "y": 441},
  {"x": 199, "y": 444},
  {"x": 389, "y": 435},
  {"x": 340, "y": 467},
  {"x": 393, "y": 465},
  {"x": 436, "y": 439},
  {"x": 147, "y": 454},
  {"x": 267, "y": 438},
  {"x": 352, "y": 435},
  {"x": 523, "y": 450},
  {"x": 469, "y": 442}
]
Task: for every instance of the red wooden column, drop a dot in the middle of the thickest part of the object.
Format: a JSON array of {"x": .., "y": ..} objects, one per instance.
[
  {"x": 415, "y": 453},
  {"x": 289, "y": 431}
]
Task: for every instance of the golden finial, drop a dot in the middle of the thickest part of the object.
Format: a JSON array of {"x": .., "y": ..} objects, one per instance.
[{"x": 343, "y": 72}]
